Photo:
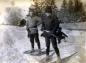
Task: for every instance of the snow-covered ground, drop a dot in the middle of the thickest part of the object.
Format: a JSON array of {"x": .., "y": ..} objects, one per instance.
[
  {"x": 81, "y": 25},
  {"x": 14, "y": 42}
]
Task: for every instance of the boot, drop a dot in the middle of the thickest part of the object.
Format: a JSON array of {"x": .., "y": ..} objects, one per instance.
[
  {"x": 59, "y": 59},
  {"x": 39, "y": 51},
  {"x": 32, "y": 50}
]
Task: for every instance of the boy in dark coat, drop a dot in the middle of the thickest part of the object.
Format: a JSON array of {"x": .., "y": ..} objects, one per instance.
[{"x": 49, "y": 27}]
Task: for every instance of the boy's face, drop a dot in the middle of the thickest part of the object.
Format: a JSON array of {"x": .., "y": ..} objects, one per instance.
[{"x": 47, "y": 14}]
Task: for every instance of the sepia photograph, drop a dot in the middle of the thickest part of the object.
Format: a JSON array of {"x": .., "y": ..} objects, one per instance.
[{"x": 42, "y": 31}]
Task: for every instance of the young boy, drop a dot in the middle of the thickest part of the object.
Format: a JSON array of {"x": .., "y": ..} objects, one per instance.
[
  {"x": 50, "y": 26},
  {"x": 32, "y": 28}
]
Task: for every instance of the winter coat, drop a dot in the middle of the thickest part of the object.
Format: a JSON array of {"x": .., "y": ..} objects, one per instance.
[
  {"x": 32, "y": 23},
  {"x": 49, "y": 23}
]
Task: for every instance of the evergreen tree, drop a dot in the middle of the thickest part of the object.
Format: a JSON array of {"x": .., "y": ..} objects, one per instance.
[
  {"x": 79, "y": 11},
  {"x": 37, "y": 7},
  {"x": 73, "y": 11},
  {"x": 78, "y": 5},
  {"x": 72, "y": 17},
  {"x": 42, "y": 5},
  {"x": 63, "y": 13},
  {"x": 64, "y": 4},
  {"x": 50, "y": 3},
  {"x": 38, "y": 4},
  {"x": 71, "y": 6}
]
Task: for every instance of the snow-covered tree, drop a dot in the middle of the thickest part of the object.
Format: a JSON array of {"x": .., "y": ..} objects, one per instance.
[{"x": 14, "y": 15}]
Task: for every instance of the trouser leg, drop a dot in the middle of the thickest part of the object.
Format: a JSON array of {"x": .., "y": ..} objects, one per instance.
[
  {"x": 47, "y": 45},
  {"x": 59, "y": 40},
  {"x": 28, "y": 31},
  {"x": 37, "y": 40},
  {"x": 32, "y": 40},
  {"x": 54, "y": 44}
]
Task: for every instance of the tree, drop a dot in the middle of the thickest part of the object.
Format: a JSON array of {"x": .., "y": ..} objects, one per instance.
[
  {"x": 39, "y": 6},
  {"x": 73, "y": 11},
  {"x": 70, "y": 6},
  {"x": 64, "y": 4},
  {"x": 63, "y": 13},
  {"x": 42, "y": 5},
  {"x": 77, "y": 5},
  {"x": 14, "y": 15},
  {"x": 79, "y": 11}
]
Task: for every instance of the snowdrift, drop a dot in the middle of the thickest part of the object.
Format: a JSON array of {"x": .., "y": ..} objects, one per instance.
[{"x": 14, "y": 42}]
